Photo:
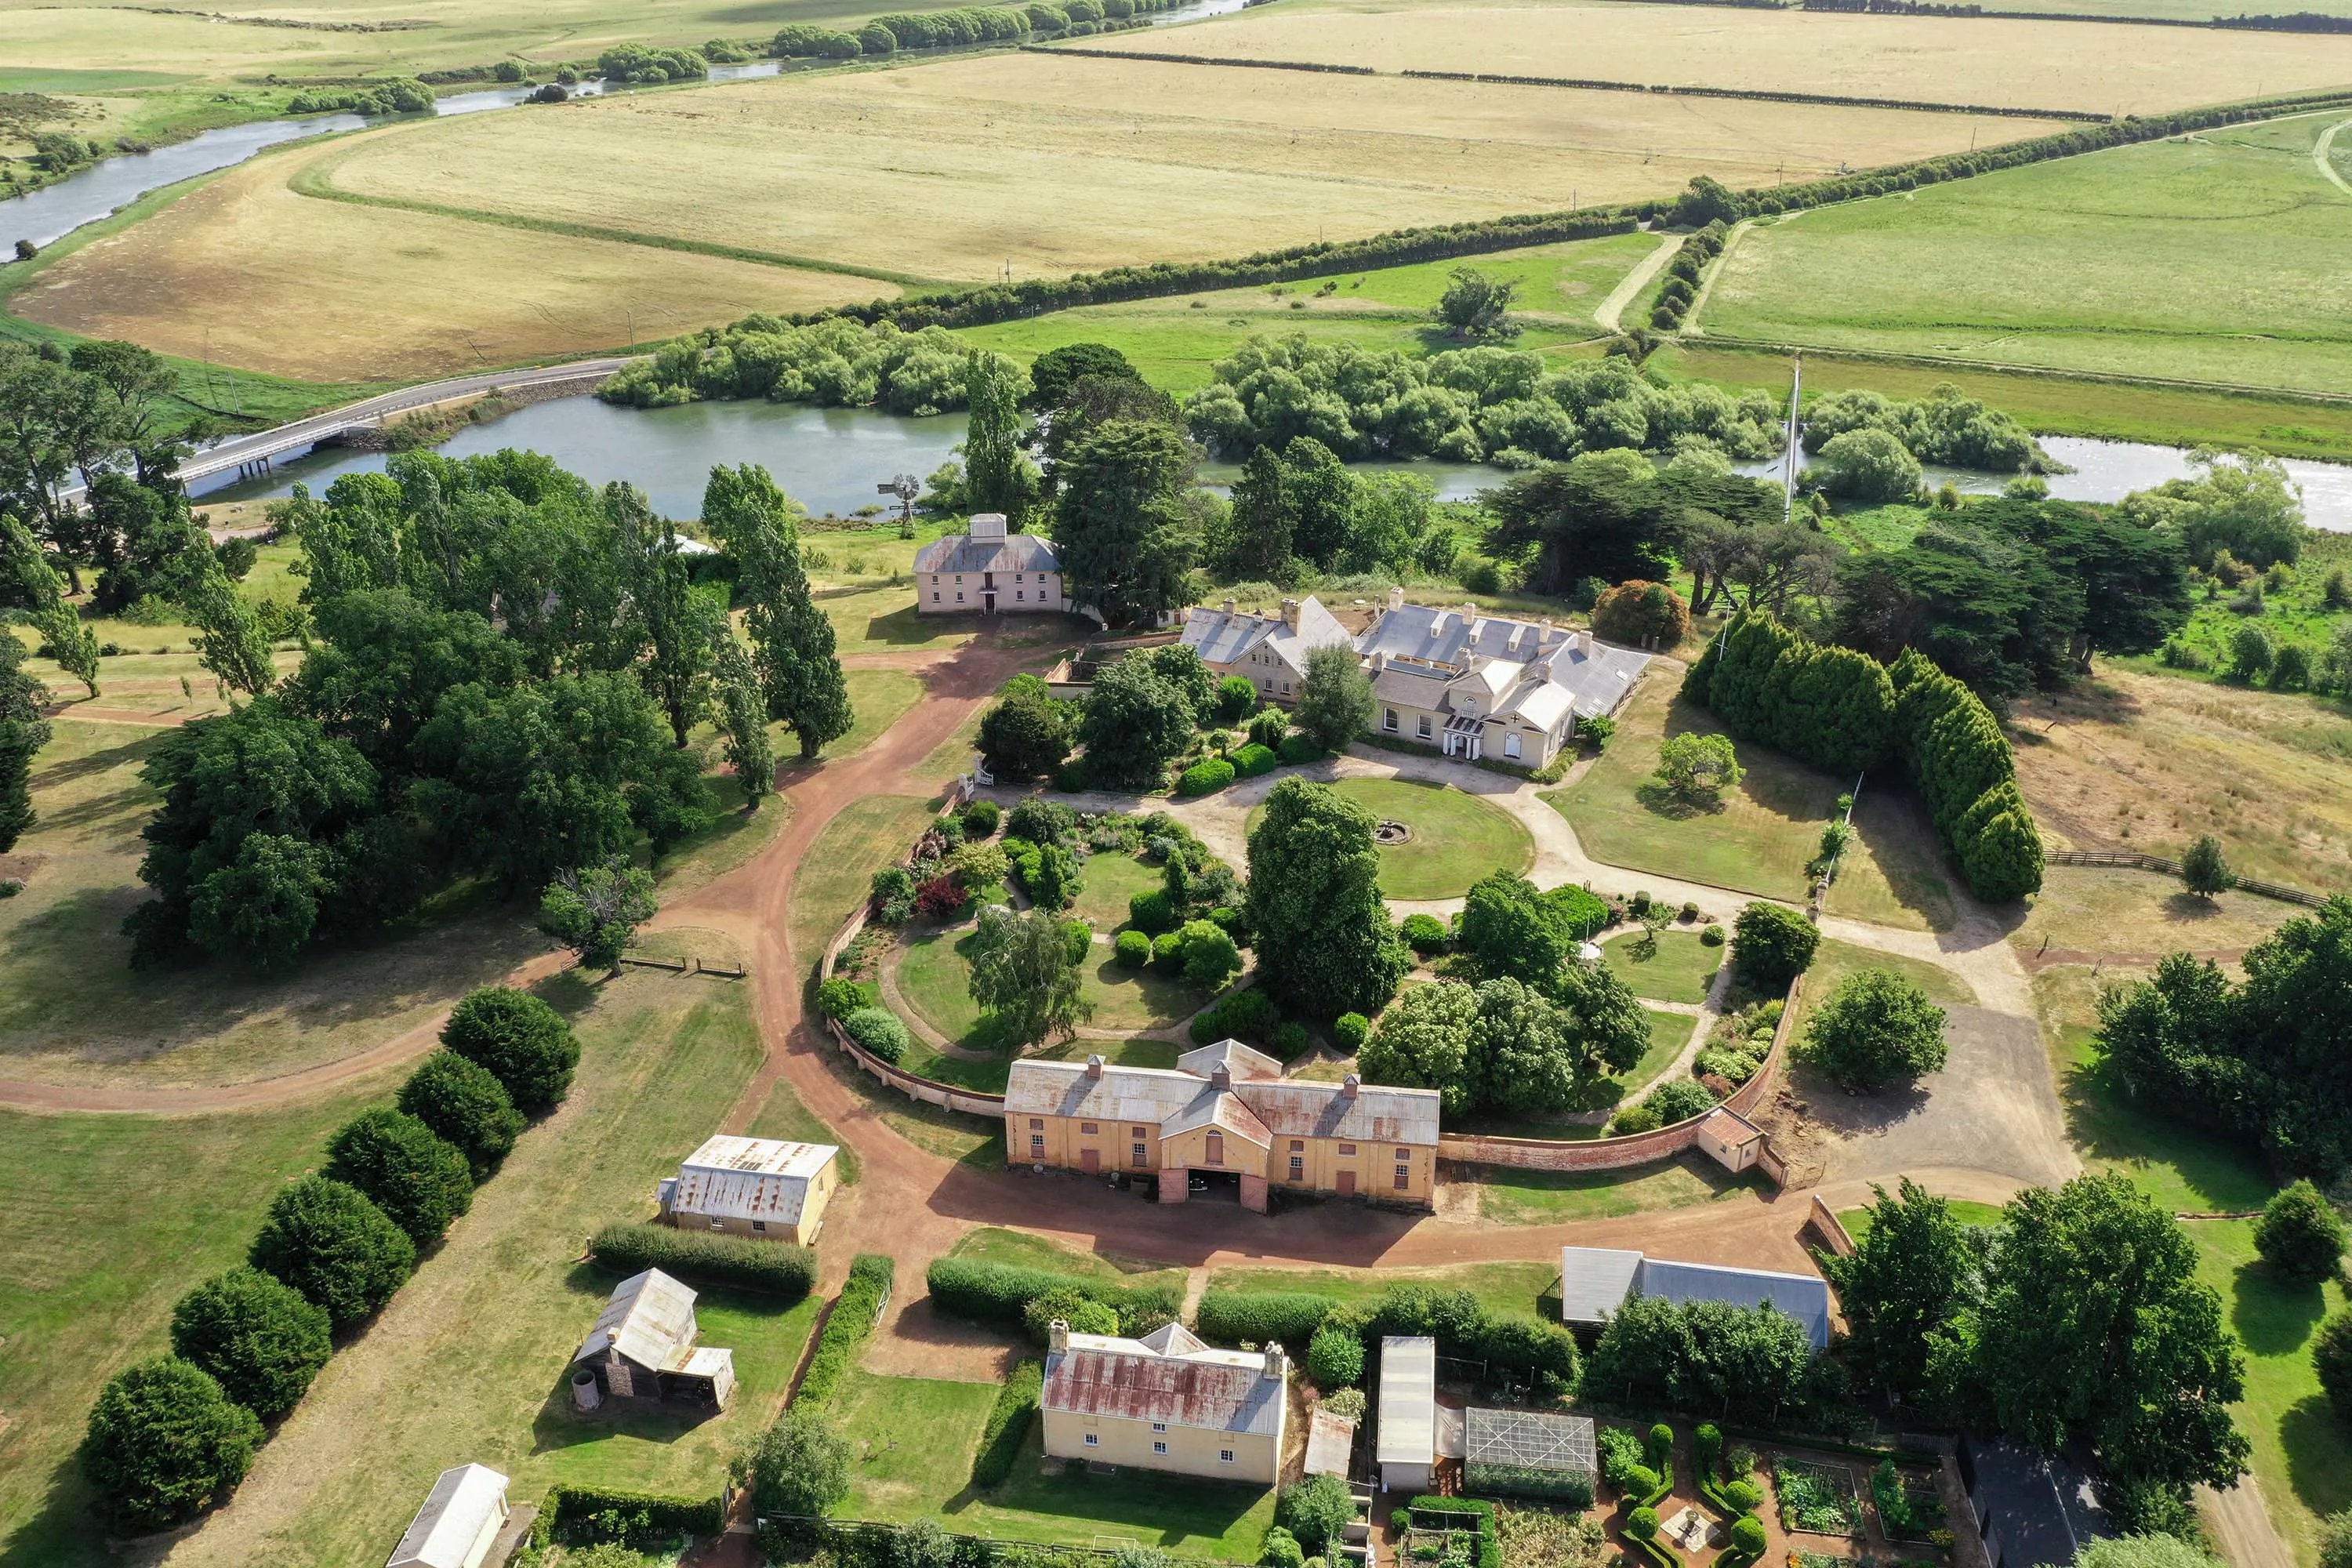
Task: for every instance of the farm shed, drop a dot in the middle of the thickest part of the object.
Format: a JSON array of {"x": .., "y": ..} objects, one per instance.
[
  {"x": 1595, "y": 1282},
  {"x": 2033, "y": 1508},
  {"x": 642, "y": 1347},
  {"x": 1525, "y": 1453},
  {"x": 753, "y": 1186},
  {"x": 1407, "y": 1453},
  {"x": 460, "y": 1519}
]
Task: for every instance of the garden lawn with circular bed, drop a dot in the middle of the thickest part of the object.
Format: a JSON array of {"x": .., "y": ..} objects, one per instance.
[
  {"x": 935, "y": 978},
  {"x": 1456, "y": 837},
  {"x": 1679, "y": 971}
]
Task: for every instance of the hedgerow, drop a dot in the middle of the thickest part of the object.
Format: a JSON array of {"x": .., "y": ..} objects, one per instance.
[
  {"x": 997, "y": 1294},
  {"x": 1008, "y": 1424},
  {"x": 847, "y": 1326},
  {"x": 777, "y": 1268},
  {"x": 1287, "y": 1318}
]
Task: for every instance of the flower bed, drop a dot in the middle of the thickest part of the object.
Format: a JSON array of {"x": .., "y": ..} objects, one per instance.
[{"x": 1817, "y": 1499}]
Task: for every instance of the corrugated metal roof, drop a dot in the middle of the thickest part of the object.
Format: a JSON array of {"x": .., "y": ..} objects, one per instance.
[
  {"x": 1014, "y": 553},
  {"x": 1122, "y": 1094},
  {"x": 1804, "y": 1297},
  {"x": 1594, "y": 1281},
  {"x": 1301, "y": 1107},
  {"x": 1221, "y": 638},
  {"x": 649, "y": 1320},
  {"x": 1237, "y": 1059},
  {"x": 1174, "y": 1339},
  {"x": 1177, "y": 1102},
  {"x": 1330, "y": 1441},
  {"x": 1596, "y": 675},
  {"x": 1220, "y": 1109},
  {"x": 461, "y": 1503},
  {"x": 1408, "y": 1434},
  {"x": 1216, "y": 1391},
  {"x": 749, "y": 1178},
  {"x": 1413, "y": 688}
]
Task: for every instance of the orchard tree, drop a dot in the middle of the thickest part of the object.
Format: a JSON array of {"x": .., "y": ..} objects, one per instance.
[
  {"x": 326, "y": 1240},
  {"x": 1914, "y": 1272},
  {"x": 165, "y": 1442},
  {"x": 2205, "y": 871},
  {"x": 256, "y": 1335},
  {"x": 596, "y": 912},
  {"x": 464, "y": 1104},
  {"x": 1023, "y": 977},
  {"x": 526, "y": 1045},
  {"x": 1325, "y": 942},
  {"x": 420, "y": 1182},
  {"x": 1028, "y": 733},
  {"x": 1876, "y": 1028},
  {"x": 1335, "y": 701},
  {"x": 2300, "y": 1235},
  {"x": 792, "y": 641}
]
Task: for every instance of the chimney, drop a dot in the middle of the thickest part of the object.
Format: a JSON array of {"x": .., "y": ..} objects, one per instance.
[
  {"x": 1396, "y": 598},
  {"x": 1220, "y": 1077},
  {"x": 1228, "y": 606},
  {"x": 1380, "y": 661},
  {"x": 1351, "y": 1085},
  {"x": 1095, "y": 1064},
  {"x": 1057, "y": 1336},
  {"x": 1290, "y": 614},
  {"x": 1277, "y": 1364},
  {"x": 1583, "y": 642}
]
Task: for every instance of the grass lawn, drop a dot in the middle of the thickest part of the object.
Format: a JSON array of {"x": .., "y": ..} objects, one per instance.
[
  {"x": 2097, "y": 909},
  {"x": 1509, "y": 1287},
  {"x": 951, "y": 758},
  {"x": 878, "y": 698},
  {"x": 883, "y": 620},
  {"x": 1137, "y": 999},
  {"x": 1456, "y": 837},
  {"x": 866, "y": 836},
  {"x": 1548, "y": 1197},
  {"x": 1680, "y": 970},
  {"x": 935, "y": 975},
  {"x": 1857, "y": 1220},
  {"x": 1112, "y": 879},
  {"x": 470, "y": 1356},
  {"x": 910, "y": 1443},
  {"x": 2303, "y": 1454},
  {"x": 1763, "y": 833},
  {"x": 2197, "y": 257},
  {"x": 1834, "y": 962},
  {"x": 992, "y": 1243}
]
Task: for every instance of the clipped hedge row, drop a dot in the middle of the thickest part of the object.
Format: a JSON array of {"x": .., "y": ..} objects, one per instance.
[
  {"x": 588, "y": 1516},
  {"x": 779, "y": 1269},
  {"x": 1008, "y": 1424},
  {"x": 1252, "y": 759},
  {"x": 997, "y": 1294},
  {"x": 1175, "y": 59},
  {"x": 1457, "y": 1318},
  {"x": 1966, "y": 768},
  {"x": 1828, "y": 706},
  {"x": 1287, "y": 1318},
  {"x": 1205, "y": 777},
  {"x": 848, "y": 1326}
]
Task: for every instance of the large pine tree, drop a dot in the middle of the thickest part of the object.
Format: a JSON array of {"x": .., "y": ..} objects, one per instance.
[{"x": 792, "y": 641}]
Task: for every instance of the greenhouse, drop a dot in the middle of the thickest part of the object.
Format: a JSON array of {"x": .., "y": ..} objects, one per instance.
[{"x": 1527, "y": 1454}]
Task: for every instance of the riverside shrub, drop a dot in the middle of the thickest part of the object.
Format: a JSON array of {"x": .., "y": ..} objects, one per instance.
[{"x": 779, "y": 1269}]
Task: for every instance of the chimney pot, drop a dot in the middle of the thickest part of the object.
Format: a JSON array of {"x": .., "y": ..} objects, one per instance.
[
  {"x": 1278, "y": 1362},
  {"x": 1290, "y": 614},
  {"x": 1350, "y": 1085},
  {"x": 1229, "y": 606},
  {"x": 1095, "y": 1064},
  {"x": 1396, "y": 598},
  {"x": 1057, "y": 1336}
]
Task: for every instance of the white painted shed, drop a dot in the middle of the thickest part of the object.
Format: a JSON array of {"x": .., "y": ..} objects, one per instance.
[
  {"x": 458, "y": 1524},
  {"x": 1407, "y": 1440}
]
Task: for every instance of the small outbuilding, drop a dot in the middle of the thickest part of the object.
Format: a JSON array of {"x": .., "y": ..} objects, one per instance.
[
  {"x": 1731, "y": 1141},
  {"x": 643, "y": 1348},
  {"x": 1407, "y": 1438},
  {"x": 753, "y": 1186},
  {"x": 1595, "y": 1282},
  {"x": 1526, "y": 1453},
  {"x": 2033, "y": 1508},
  {"x": 460, "y": 1519}
]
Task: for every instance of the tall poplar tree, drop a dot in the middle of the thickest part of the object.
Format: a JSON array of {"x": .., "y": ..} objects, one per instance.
[
  {"x": 792, "y": 641},
  {"x": 23, "y": 731},
  {"x": 999, "y": 475},
  {"x": 743, "y": 708}
]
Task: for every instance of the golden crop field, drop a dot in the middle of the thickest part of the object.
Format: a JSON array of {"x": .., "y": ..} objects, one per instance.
[
  {"x": 2102, "y": 69},
  {"x": 950, "y": 171},
  {"x": 243, "y": 271}
]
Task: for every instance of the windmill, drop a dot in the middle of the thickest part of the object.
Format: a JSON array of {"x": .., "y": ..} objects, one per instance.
[{"x": 905, "y": 488}]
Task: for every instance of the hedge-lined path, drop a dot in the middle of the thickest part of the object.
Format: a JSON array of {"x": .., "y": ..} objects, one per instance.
[{"x": 1611, "y": 309}]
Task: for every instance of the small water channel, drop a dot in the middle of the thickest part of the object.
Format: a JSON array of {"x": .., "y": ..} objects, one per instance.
[{"x": 831, "y": 459}]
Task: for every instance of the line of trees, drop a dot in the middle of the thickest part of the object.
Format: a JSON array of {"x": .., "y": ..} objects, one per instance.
[
  {"x": 1760, "y": 94},
  {"x": 169, "y": 1436}
]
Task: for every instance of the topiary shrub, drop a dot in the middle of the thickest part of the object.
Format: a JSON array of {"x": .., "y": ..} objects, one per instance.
[
  {"x": 419, "y": 1181},
  {"x": 1281, "y": 1550},
  {"x": 1297, "y": 748},
  {"x": 1641, "y": 1525},
  {"x": 980, "y": 819},
  {"x": 1131, "y": 949},
  {"x": 1426, "y": 934},
  {"x": 1252, "y": 759},
  {"x": 2300, "y": 1235},
  {"x": 526, "y": 1045},
  {"x": 1773, "y": 946},
  {"x": 165, "y": 1440},
  {"x": 466, "y": 1104},
  {"x": 1246, "y": 1015},
  {"x": 880, "y": 1031},
  {"x": 1152, "y": 912},
  {"x": 1335, "y": 1357},
  {"x": 1747, "y": 1536},
  {"x": 1209, "y": 957},
  {"x": 1349, "y": 1030},
  {"x": 1168, "y": 953},
  {"x": 1744, "y": 1495},
  {"x": 1710, "y": 936},
  {"x": 1205, "y": 777},
  {"x": 256, "y": 1336},
  {"x": 838, "y": 998},
  {"x": 325, "y": 1238}
]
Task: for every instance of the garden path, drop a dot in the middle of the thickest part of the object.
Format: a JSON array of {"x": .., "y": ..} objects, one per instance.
[{"x": 1611, "y": 309}]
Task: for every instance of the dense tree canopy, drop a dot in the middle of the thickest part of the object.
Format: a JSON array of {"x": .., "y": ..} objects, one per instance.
[
  {"x": 525, "y": 1044},
  {"x": 420, "y": 1182},
  {"x": 164, "y": 1441},
  {"x": 1706, "y": 1356},
  {"x": 1123, "y": 533},
  {"x": 1335, "y": 700},
  {"x": 465, "y": 1103},
  {"x": 256, "y": 1335},
  {"x": 1024, "y": 976},
  {"x": 1028, "y": 731},
  {"x": 1136, "y": 722},
  {"x": 1876, "y": 1028},
  {"x": 23, "y": 732},
  {"x": 2240, "y": 502},
  {"x": 1325, "y": 942},
  {"x": 1913, "y": 1273}
]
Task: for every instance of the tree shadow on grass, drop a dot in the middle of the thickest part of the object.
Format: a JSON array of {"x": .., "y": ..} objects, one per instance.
[
  {"x": 2272, "y": 1314},
  {"x": 1659, "y": 800},
  {"x": 2318, "y": 1445}
]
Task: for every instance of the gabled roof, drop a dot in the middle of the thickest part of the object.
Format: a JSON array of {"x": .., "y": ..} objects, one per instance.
[
  {"x": 1412, "y": 685},
  {"x": 649, "y": 1320},
  {"x": 1014, "y": 552},
  {"x": 1242, "y": 1061},
  {"x": 1596, "y": 674},
  {"x": 462, "y": 1504},
  {"x": 1225, "y": 637},
  {"x": 749, "y": 1178},
  {"x": 1129, "y": 1380},
  {"x": 1456, "y": 636},
  {"x": 1220, "y": 1109},
  {"x": 1122, "y": 1094},
  {"x": 1256, "y": 1109},
  {"x": 1594, "y": 1281},
  {"x": 1302, "y": 1108},
  {"x": 1408, "y": 1434}
]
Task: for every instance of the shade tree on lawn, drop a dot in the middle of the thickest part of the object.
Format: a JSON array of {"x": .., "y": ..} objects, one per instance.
[
  {"x": 1025, "y": 975},
  {"x": 1324, "y": 940},
  {"x": 1028, "y": 731}
]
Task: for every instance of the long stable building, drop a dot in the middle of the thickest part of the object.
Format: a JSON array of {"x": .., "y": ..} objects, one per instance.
[{"x": 1228, "y": 1117}]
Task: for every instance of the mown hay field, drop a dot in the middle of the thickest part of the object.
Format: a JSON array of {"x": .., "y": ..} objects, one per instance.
[
  {"x": 244, "y": 271},
  {"x": 2213, "y": 258},
  {"x": 2106, "y": 69}
]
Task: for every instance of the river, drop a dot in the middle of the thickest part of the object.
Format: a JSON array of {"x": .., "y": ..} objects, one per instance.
[{"x": 831, "y": 459}]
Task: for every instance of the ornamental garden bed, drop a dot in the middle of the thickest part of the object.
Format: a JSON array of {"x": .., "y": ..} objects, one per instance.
[{"x": 1817, "y": 1497}]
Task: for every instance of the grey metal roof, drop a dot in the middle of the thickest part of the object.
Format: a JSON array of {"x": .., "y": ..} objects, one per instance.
[
  {"x": 1217, "y": 1390},
  {"x": 1532, "y": 1437},
  {"x": 1524, "y": 669},
  {"x": 1454, "y": 637},
  {"x": 1223, "y": 638},
  {"x": 1408, "y": 1432},
  {"x": 1122, "y": 1094},
  {"x": 1222, "y": 1109},
  {"x": 1412, "y": 687},
  {"x": 1177, "y": 1102},
  {"x": 1014, "y": 553},
  {"x": 1302, "y": 1108},
  {"x": 464, "y": 1504},
  {"x": 1241, "y": 1060},
  {"x": 1804, "y": 1297},
  {"x": 1594, "y": 1281},
  {"x": 2037, "y": 1509},
  {"x": 749, "y": 1178},
  {"x": 649, "y": 1320},
  {"x": 1597, "y": 676},
  {"x": 1331, "y": 1443}
]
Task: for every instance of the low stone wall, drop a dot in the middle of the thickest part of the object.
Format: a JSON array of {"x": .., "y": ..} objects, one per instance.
[
  {"x": 928, "y": 1090},
  {"x": 1636, "y": 1149}
]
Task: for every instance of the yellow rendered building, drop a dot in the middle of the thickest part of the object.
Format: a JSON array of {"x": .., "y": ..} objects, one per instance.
[{"x": 1166, "y": 1402}]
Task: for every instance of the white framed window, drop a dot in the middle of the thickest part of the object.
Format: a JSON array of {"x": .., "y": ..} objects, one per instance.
[
  {"x": 1038, "y": 1144},
  {"x": 1510, "y": 745},
  {"x": 1158, "y": 1448},
  {"x": 1387, "y": 716},
  {"x": 1420, "y": 725},
  {"x": 1093, "y": 1439},
  {"x": 1018, "y": 594},
  {"x": 1403, "y": 1178},
  {"x": 935, "y": 598},
  {"x": 960, "y": 600},
  {"x": 1225, "y": 1456},
  {"x": 1159, "y": 1426},
  {"x": 935, "y": 578}
]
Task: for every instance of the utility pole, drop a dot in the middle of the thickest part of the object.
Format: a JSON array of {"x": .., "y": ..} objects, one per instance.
[{"x": 1789, "y": 458}]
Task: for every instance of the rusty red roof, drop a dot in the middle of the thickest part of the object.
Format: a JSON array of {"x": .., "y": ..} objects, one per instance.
[{"x": 1221, "y": 1391}]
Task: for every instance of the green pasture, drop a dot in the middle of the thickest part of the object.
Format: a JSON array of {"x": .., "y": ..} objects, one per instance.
[{"x": 2213, "y": 258}]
